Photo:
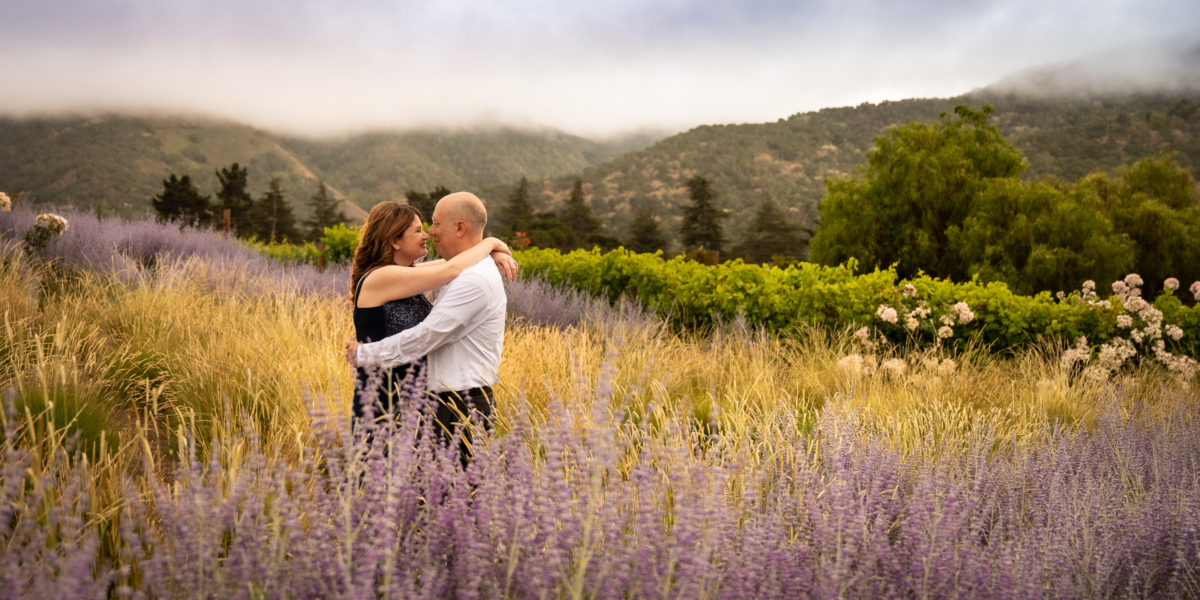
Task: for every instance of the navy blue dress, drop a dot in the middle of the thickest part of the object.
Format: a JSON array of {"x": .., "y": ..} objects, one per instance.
[{"x": 375, "y": 323}]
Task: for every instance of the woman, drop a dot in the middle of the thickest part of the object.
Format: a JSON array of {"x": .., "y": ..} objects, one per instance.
[{"x": 387, "y": 287}]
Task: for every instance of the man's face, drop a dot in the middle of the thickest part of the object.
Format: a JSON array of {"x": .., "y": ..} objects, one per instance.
[{"x": 439, "y": 229}]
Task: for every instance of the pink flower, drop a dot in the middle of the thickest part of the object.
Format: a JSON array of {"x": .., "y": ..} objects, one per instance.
[
  {"x": 862, "y": 333},
  {"x": 1174, "y": 332},
  {"x": 1195, "y": 290},
  {"x": 910, "y": 290},
  {"x": 1119, "y": 287},
  {"x": 1124, "y": 321},
  {"x": 1171, "y": 283},
  {"x": 1133, "y": 280},
  {"x": 945, "y": 332}
]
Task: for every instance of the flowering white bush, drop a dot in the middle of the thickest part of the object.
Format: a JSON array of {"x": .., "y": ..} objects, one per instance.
[
  {"x": 46, "y": 226},
  {"x": 1141, "y": 332},
  {"x": 51, "y": 222}
]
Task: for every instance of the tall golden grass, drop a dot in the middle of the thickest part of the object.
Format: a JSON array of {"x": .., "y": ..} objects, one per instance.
[{"x": 124, "y": 362}]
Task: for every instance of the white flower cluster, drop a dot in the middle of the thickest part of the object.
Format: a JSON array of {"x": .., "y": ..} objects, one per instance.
[
  {"x": 855, "y": 365},
  {"x": 1142, "y": 323},
  {"x": 5, "y": 202},
  {"x": 1089, "y": 295},
  {"x": 1081, "y": 352},
  {"x": 1195, "y": 290},
  {"x": 51, "y": 222},
  {"x": 894, "y": 367},
  {"x": 886, "y": 313},
  {"x": 959, "y": 314}
]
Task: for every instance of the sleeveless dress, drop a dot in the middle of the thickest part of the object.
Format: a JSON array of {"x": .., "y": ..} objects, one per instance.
[{"x": 375, "y": 323}]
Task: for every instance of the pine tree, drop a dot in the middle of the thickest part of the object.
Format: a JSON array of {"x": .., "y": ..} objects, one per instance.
[
  {"x": 426, "y": 202},
  {"x": 273, "y": 216},
  {"x": 644, "y": 233},
  {"x": 325, "y": 213},
  {"x": 701, "y": 226},
  {"x": 236, "y": 199},
  {"x": 520, "y": 208},
  {"x": 578, "y": 215},
  {"x": 181, "y": 202},
  {"x": 770, "y": 234}
]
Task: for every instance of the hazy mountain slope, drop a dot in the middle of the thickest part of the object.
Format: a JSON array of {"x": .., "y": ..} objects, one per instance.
[
  {"x": 379, "y": 166},
  {"x": 791, "y": 158},
  {"x": 117, "y": 163}
]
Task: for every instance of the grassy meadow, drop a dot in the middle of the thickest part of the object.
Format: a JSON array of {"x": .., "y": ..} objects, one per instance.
[{"x": 176, "y": 425}]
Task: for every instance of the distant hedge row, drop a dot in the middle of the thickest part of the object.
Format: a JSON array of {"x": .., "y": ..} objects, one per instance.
[{"x": 693, "y": 295}]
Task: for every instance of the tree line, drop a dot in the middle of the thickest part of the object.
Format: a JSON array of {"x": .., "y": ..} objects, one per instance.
[
  {"x": 948, "y": 199},
  {"x": 269, "y": 217},
  {"x": 772, "y": 235}
]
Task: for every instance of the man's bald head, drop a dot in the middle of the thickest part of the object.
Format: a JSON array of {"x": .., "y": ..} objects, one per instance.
[
  {"x": 464, "y": 206},
  {"x": 458, "y": 223}
]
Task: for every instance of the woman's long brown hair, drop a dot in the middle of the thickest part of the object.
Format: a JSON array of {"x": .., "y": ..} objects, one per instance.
[{"x": 387, "y": 221}]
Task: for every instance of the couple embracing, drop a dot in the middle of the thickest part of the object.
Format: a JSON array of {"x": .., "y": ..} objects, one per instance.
[{"x": 454, "y": 342}]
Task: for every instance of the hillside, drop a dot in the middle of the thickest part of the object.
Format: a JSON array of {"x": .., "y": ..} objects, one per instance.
[
  {"x": 791, "y": 158},
  {"x": 378, "y": 166},
  {"x": 117, "y": 162}
]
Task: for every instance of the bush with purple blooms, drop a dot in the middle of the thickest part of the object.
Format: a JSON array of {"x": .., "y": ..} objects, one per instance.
[{"x": 602, "y": 501}]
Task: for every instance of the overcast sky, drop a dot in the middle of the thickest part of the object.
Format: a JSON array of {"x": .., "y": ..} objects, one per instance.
[{"x": 591, "y": 68}]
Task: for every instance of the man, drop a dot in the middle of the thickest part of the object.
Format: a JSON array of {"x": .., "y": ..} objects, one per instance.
[{"x": 463, "y": 336}]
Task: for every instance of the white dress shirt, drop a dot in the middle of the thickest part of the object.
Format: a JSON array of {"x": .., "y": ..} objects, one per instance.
[{"x": 461, "y": 338}]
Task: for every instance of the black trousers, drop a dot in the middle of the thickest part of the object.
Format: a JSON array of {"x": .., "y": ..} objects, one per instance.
[{"x": 453, "y": 407}]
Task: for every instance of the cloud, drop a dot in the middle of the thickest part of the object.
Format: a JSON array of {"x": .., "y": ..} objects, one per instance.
[{"x": 591, "y": 68}]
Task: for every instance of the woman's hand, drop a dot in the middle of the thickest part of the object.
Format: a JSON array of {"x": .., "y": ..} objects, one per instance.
[
  {"x": 498, "y": 246},
  {"x": 507, "y": 264}
]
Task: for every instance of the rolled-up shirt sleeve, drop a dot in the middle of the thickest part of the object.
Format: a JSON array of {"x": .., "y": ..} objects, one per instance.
[{"x": 458, "y": 305}]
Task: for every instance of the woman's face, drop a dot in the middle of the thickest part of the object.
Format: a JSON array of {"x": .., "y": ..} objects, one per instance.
[{"x": 412, "y": 243}]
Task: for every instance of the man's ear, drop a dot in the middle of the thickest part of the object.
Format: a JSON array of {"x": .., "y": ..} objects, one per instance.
[{"x": 460, "y": 228}]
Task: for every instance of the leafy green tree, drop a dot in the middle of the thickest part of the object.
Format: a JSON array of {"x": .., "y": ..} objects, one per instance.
[
  {"x": 1156, "y": 203},
  {"x": 1040, "y": 236},
  {"x": 181, "y": 202},
  {"x": 325, "y": 213},
  {"x": 273, "y": 217},
  {"x": 701, "y": 227},
  {"x": 771, "y": 235},
  {"x": 426, "y": 202},
  {"x": 920, "y": 181},
  {"x": 578, "y": 215},
  {"x": 519, "y": 209},
  {"x": 235, "y": 198},
  {"x": 645, "y": 235}
]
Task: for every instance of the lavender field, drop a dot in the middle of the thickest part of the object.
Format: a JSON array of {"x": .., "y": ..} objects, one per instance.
[{"x": 176, "y": 425}]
